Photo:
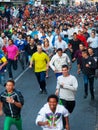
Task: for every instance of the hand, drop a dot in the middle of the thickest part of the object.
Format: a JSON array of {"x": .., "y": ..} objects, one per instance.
[
  {"x": 55, "y": 71},
  {"x": 15, "y": 58},
  {"x": 46, "y": 123},
  {"x": 47, "y": 68},
  {"x": 30, "y": 66},
  {"x": 0, "y": 67},
  {"x": 1, "y": 112},
  {"x": 57, "y": 92},
  {"x": 73, "y": 59},
  {"x": 67, "y": 127},
  {"x": 87, "y": 65},
  {"x": 78, "y": 71},
  {"x": 10, "y": 100}
]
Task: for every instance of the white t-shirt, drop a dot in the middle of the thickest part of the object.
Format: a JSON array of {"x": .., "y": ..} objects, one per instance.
[
  {"x": 93, "y": 42},
  {"x": 61, "y": 44},
  {"x": 70, "y": 33},
  {"x": 55, "y": 119}
]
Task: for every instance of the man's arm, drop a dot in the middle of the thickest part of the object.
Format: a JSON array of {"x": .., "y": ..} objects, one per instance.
[
  {"x": 40, "y": 118},
  {"x": 18, "y": 103},
  {"x": 47, "y": 59},
  {"x": 31, "y": 62},
  {"x": 1, "y": 111},
  {"x": 66, "y": 117},
  {"x": 68, "y": 61},
  {"x": 17, "y": 53},
  {"x": 4, "y": 64},
  {"x": 12, "y": 101},
  {"x": 73, "y": 86},
  {"x": 40, "y": 123},
  {"x": 79, "y": 68},
  {"x": 51, "y": 63},
  {"x": 67, "y": 123},
  {"x": 57, "y": 88}
]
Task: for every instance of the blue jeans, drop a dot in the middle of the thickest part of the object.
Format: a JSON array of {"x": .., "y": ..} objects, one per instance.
[
  {"x": 90, "y": 80},
  {"x": 41, "y": 77},
  {"x": 58, "y": 74}
]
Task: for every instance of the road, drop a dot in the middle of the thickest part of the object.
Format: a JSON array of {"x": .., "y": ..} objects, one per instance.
[{"x": 84, "y": 116}]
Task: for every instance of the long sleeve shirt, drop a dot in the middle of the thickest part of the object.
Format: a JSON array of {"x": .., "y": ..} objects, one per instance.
[
  {"x": 57, "y": 62},
  {"x": 69, "y": 88},
  {"x": 92, "y": 66}
]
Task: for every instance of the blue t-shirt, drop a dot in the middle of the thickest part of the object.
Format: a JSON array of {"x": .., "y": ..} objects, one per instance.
[{"x": 21, "y": 44}]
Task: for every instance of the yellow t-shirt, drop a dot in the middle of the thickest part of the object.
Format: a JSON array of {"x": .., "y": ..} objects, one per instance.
[
  {"x": 2, "y": 59},
  {"x": 40, "y": 61}
]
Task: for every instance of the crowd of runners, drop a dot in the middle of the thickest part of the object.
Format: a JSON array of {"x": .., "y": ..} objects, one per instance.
[{"x": 52, "y": 37}]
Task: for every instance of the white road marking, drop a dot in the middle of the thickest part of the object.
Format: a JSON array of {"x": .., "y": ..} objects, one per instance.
[{"x": 16, "y": 79}]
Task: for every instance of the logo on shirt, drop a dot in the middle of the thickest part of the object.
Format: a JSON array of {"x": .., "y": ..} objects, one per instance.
[{"x": 52, "y": 119}]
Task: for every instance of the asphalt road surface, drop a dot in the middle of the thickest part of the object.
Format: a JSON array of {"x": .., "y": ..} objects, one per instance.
[{"x": 84, "y": 116}]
